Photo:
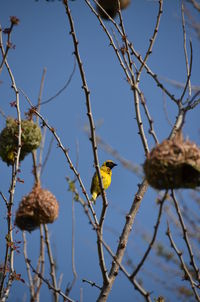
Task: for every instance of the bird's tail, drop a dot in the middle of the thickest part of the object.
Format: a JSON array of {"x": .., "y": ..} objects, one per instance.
[{"x": 94, "y": 197}]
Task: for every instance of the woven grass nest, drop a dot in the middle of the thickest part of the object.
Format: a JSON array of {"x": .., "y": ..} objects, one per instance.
[
  {"x": 111, "y": 7},
  {"x": 173, "y": 164},
  {"x": 30, "y": 138},
  {"x": 38, "y": 207}
]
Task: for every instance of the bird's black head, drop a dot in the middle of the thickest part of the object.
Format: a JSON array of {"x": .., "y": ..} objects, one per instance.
[{"x": 110, "y": 164}]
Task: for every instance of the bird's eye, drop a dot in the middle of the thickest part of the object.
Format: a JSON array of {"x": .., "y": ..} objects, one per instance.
[{"x": 109, "y": 164}]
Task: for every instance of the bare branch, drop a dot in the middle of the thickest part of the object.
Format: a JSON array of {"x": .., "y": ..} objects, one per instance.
[
  {"x": 43, "y": 165},
  {"x": 133, "y": 281},
  {"x": 185, "y": 236},
  {"x": 72, "y": 167},
  {"x": 69, "y": 288},
  {"x": 93, "y": 284},
  {"x": 40, "y": 92},
  {"x": 152, "y": 40},
  {"x": 4, "y": 198},
  {"x": 188, "y": 74},
  {"x": 40, "y": 266},
  {"x": 161, "y": 203},
  {"x": 55, "y": 290},
  {"x": 183, "y": 265},
  {"x": 93, "y": 140},
  {"x": 9, "y": 254},
  {"x": 130, "y": 217},
  {"x": 13, "y": 21},
  {"x": 129, "y": 74},
  {"x": 150, "y": 120},
  {"x": 51, "y": 261},
  {"x": 31, "y": 285},
  {"x": 185, "y": 48},
  {"x": 62, "y": 89}
]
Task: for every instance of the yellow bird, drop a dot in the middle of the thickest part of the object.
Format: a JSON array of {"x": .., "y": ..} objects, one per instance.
[{"x": 106, "y": 175}]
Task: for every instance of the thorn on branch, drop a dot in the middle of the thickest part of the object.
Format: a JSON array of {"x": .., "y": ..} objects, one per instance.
[{"x": 93, "y": 284}]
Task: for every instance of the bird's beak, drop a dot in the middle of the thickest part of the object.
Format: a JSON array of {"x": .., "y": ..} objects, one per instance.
[{"x": 113, "y": 165}]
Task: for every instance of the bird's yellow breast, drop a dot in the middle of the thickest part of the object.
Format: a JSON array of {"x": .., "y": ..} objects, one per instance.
[
  {"x": 106, "y": 178},
  {"x": 106, "y": 174}
]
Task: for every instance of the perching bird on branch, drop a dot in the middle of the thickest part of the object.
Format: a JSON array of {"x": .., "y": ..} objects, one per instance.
[{"x": 106, "y": 175}]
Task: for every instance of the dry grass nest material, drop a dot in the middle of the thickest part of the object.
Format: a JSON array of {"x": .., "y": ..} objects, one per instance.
[
  {"x": 30, "y": 139},
  {"x": 173, "y": 164},
  {"x": 38, "y": 207}
]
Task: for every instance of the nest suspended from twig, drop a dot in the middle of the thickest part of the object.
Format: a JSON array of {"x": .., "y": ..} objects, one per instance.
[
  {"x": 38, "y": 207},
  {"x": 31, "y": 137},
  {"x": 111, "y": 7},
  {"x": 173, "y": 164}
]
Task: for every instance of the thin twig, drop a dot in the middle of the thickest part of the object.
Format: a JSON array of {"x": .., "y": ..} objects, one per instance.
[
  {"x": 107, "y": 247},
  {"x": 151, "y": 40},
  {"x": 189, "y": 72},
  {"x": 165, "y": 110},
  {"x": 185, "y": 47},
  {"x": 129, "y": 75},
  {"x": 192, "y": 102},
  {"x": 183, "y": 265},
  {"x": 50, "y": 286},
  {"x": 77, "y": 197},
  {"x": 150, "y": 120},
  {"x": 161, "y": 203},
  {"x": 126, "y": 71},
  {"x": 133, "y": 52},
  {"x": 180, "y": 119},
  {"x": 134, "y": 168},
  {"x": 36, "y": 166},
  {"x": 152, "y": 74},
  {"x": 130, "y": 218},
  {"x": 93, "y": 141},
  {"x": 9, "y": 254},
  {"x": 62, "y": 89},
  {"x": 69, "y": 288},
  {"x": 39, "y": 167},
  {"x": 73, "y": 246},
  {"x": 72, "y": 167},
  {"x": 4, "y": 198},
  {"x": 41, "y": 265},
  {"x": 8, "y": 43},
  {"x": 93, "y": 284},
  {"x": 43, "y": 165},
  {"x": 126, "y": 50},
  {"x": 134, "y": 86},
  {"x": 51, "y": 261},
  {"x": 31, "y": 285},
  {"x": 40, "y": 92},
  {"x": 133, "y": 281},
  {"x": 185, "y": 236}
]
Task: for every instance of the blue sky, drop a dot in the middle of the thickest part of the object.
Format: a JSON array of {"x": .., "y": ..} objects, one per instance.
[{"x": 42, "y": 41}]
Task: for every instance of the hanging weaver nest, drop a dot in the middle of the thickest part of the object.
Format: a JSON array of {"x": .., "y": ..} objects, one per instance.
[
  {"x": 111, "y": 7},
  {"x": 173, "y": 164},
  {"x": 30, "y": 138},
  {"x": 38, "y": 207}
]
